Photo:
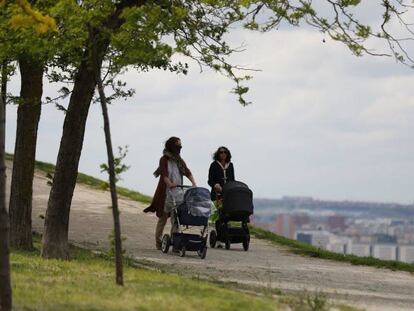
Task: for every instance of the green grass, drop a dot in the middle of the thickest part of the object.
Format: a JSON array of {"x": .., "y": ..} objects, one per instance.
[
  {"x": 300, "y": 248},
  {"x": 91, "y": 181},
  {"x": 86, "y": 282}
]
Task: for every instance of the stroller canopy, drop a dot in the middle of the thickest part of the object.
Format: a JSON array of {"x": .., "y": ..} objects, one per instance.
[
  {"x": 234, "y": 186},
  {"x": 237, "y": 199},
  {"x": 198, "y": 202}
]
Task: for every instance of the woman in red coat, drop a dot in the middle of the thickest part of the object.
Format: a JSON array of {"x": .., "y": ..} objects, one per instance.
[{"x": 171, "y": 170}]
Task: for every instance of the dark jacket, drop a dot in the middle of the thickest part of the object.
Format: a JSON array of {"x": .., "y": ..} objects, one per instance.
[
  {"x": 216, "y": 176},
  {"x": 158, "y": 201}
]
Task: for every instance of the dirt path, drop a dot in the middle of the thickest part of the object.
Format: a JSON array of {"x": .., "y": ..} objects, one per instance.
[{"x": 263, "y": 265}]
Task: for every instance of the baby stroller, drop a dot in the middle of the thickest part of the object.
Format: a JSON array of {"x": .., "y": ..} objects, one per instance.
[
  {"x": 237, "y": 207},
  {"x": 193, "y": 211}
]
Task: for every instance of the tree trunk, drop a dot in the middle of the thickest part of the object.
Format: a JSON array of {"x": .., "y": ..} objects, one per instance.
[
  {"x": 55, "y": 235},
  {"x": 112, "y": 184},
  {"x": 5, "y": 287},
  {"x": 28, "y": 114},
  {"x": 4, "y": 77}
]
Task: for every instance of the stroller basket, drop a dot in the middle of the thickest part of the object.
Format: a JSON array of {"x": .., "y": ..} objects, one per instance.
[{"x": 192, "y": 242}]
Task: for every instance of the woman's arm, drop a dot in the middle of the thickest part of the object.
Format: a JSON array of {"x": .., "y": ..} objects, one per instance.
[
  {"x": 231, "y": 173},
  {"x": 189, "y": 175},
  {"x": 211, "y": 176},
  {"x": 191, "y": 178},
  {"x": 213, "y": 179}
]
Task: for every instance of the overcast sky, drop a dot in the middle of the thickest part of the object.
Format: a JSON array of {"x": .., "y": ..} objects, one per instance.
[{"x": 323, "y": 122}]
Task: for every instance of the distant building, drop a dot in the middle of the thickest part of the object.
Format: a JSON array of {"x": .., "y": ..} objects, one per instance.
[
  {"x": 359, "y": 249},
  {"x": 384, "y": 251},
  {"x": 385, "y": 238},
  {"x": 336, "y": 222},
  {"x": 337, "y": 247},
  {"x": 300, "y": 219},
  {"x": 365, "y": 239},
  {"x": 406, "y": 253},
  {"x": 397, "y": 222},
  {"x": 319, "y": 239},
  {"x": 285, "y": 226},
  {"x": 304, "y": 237},
  {"x": 338, "y": 244}
]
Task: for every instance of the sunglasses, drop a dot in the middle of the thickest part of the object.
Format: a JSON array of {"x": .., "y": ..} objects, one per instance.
[{"x": 223, "y": 151}]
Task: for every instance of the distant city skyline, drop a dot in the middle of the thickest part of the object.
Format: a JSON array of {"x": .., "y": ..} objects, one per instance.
[
  {"x": 317, "y": 199},
  {"x": 360, "y": 229}
]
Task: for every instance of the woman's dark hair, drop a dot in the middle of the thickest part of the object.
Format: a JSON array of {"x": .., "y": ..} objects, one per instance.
[
  {"x": 171, "y": 145},
  {"x": 216, "y": 155}
]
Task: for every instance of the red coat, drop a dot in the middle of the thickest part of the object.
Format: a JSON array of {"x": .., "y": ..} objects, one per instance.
[{"x": 158, "y": 201}]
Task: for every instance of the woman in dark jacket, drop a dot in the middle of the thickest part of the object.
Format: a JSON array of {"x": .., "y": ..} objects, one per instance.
[{"x": 220, "y": 172}]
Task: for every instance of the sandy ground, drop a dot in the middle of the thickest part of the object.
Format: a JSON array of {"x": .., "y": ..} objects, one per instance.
[{"x": 263, "y": 265}]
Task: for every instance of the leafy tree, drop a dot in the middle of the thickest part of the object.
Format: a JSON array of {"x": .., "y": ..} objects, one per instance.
[
  {"x": 5, "y": 284},
  {"x": 29, "y": 32}
]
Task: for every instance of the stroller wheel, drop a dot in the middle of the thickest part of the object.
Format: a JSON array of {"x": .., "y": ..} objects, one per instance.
[
  {"x": 246, "y": 244},
  {"x": 227, "y": 244},
  {"x": 213, "y": 238},
  {"x": 165, "y": 243},
  {"x": 182, "y": 251},
  {"x": 202, "y": 253}
]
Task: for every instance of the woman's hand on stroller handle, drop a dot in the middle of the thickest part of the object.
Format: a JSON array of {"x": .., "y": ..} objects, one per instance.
[
  {"x": 218, "y": 188},
  {"x": 185, "y": 186}
]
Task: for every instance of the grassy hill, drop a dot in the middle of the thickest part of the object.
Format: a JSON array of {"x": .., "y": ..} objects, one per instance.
[{"x": 91, "y": 181}]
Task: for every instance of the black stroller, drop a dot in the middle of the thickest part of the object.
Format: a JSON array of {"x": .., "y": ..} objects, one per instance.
[
  {"x": 194, "y": 210},
  {"x": 237, "y": 207}
]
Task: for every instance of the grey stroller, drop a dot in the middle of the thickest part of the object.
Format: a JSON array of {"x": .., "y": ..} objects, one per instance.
[{"x": 193, "y": 211}]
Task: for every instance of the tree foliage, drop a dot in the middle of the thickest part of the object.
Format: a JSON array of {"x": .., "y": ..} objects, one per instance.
[
  {"x": 22, "y": 15},
  {"x": 360, "y": 25}
]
